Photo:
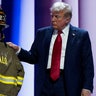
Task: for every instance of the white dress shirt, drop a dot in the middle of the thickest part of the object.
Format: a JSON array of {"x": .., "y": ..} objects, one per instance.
[{"x": 64, "y": 36}]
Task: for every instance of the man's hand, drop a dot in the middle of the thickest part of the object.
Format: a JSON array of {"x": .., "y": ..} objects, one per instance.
[
  {"x": 14, "y": 46},
  {"x": 85, "y": 92}
]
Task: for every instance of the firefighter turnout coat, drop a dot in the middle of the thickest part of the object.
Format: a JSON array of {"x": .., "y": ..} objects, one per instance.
[{"x": 11, "y": 72}]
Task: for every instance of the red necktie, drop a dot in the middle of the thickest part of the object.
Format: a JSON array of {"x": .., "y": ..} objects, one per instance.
[{"x": 56, "y": 55}]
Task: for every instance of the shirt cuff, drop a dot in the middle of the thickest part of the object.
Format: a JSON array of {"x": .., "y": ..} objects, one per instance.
[
  {"x": 87, "y": 90},
  {"x": 18, "y": 51}
]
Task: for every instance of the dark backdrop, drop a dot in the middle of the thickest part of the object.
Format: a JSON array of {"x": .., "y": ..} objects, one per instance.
[{"x": 7, "y": 6}]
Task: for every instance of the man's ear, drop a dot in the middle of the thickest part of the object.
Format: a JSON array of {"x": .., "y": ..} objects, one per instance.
[{"x": 68, "y": 19}]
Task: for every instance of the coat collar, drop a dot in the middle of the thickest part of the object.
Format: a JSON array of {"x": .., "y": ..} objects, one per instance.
[{"x": 71, "y": 37}]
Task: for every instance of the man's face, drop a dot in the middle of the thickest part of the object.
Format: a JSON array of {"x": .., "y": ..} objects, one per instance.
[{"x": 58, "y": 20}]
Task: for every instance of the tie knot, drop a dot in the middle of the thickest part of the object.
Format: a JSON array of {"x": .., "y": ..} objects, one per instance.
[{"x": 59, "y": 31}]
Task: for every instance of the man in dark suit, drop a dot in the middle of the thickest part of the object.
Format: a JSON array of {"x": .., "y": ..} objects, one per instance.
[{"x": 76, "y": 70}]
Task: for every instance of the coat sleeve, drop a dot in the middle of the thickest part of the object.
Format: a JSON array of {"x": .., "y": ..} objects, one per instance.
[
  {"x": 87, "y": 62},
  {"x": 20, "y": 75},
  {"x": 20, "y": 72}
]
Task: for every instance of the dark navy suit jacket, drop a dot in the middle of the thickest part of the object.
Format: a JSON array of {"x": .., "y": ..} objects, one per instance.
[{"x": 78, "y": 65}]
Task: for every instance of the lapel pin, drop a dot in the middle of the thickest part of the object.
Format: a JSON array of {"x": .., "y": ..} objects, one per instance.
[{"x": 73, "y": 34}]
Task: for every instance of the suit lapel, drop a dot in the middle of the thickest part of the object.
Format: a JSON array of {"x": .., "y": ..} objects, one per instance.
[
  {"x": 71, "y": 37},
  {"x": 71, "y": 40},
  {"x": 48, "y": 37}
]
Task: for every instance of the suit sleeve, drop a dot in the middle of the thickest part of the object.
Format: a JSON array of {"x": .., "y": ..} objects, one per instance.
[
  {"x": 32, "y": 55},
  {"x": 87, "y": 63}
]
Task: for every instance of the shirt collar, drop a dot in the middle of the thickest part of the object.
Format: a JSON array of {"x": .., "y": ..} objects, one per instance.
[{"x": 65, "y": 30}]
